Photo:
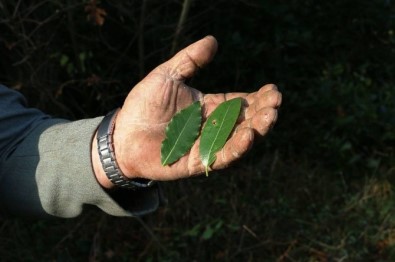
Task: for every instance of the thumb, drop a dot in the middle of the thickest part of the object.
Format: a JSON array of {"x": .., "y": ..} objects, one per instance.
[{"x": 186, "y": 62}]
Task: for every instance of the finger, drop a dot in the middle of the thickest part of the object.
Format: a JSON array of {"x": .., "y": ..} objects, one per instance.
[
  {"x": 270, "y": 98},
  {"x": 211, "y": 101},
  {"x": 261, "y": 122},
  {"x": 229, "y": 96},
  {"x": 251, "y": 98},
  {"x": 187, "y": 62},
  {"x": 234, "y": 148}
]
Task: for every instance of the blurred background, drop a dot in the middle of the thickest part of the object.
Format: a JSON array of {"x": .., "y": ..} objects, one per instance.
[{"x": 320, "y": 187}]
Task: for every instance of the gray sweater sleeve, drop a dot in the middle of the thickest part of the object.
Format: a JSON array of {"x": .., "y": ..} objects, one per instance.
[{"x": 45, "y": 166}]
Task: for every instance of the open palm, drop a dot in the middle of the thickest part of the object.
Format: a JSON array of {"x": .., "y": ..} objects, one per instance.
[{"x": 140, "y": 125}]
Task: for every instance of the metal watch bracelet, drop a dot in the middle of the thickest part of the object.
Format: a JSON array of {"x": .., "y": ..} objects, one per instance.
[{"x": 107, "y": 156}]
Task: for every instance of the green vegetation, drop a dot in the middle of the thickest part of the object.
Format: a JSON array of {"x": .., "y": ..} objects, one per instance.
[
  {"x": 181, "y": 133},
  {"x": 320, "y": 187},
  {"x": 216, "y": 130}
]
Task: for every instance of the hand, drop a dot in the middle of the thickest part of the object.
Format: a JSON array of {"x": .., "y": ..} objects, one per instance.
[{"x": 140, "y": 125}]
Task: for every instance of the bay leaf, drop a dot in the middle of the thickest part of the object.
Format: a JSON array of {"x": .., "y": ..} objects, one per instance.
[
  {"x": 181, "y": 133},
  {"x": 217, "y": 129}
]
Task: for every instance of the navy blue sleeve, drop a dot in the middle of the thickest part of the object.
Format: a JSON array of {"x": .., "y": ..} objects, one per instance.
[{"x": 16, "y": 120}]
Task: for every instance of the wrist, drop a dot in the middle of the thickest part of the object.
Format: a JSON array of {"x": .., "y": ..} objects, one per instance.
[
  {"x": 104, "y": 140},
  {"x": 121, "y": 147}
]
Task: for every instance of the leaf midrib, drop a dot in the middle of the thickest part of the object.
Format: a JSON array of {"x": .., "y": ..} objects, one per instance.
[
  {"x": 178, "y": 138},
  {"x": 216, "y": 135}
]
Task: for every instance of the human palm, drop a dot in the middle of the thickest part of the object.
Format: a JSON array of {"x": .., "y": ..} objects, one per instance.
[{"x": 140, "y": 125}]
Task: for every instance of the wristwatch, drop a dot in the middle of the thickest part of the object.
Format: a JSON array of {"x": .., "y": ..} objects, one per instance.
[{"x": 105, "y": 147}]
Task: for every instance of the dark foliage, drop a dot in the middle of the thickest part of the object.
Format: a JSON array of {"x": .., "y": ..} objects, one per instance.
[{"x": 319, "y": 188}]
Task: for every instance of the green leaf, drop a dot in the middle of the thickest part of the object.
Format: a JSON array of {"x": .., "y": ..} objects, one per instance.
[
  {"x": 211, "y": 230},
  {"x": 64, "y": 59},
  {"x": 217, "y": 129},
  {"x": 181, "y": 133}
]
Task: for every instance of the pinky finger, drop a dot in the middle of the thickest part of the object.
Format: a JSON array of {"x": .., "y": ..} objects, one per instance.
[{"x": 234, "y": 148}]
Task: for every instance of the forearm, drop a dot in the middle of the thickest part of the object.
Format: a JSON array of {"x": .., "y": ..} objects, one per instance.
[{"x": 50, "y": 173}]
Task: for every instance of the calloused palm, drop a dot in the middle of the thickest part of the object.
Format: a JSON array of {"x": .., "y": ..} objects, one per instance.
[{"x": 140, "y": 125}]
